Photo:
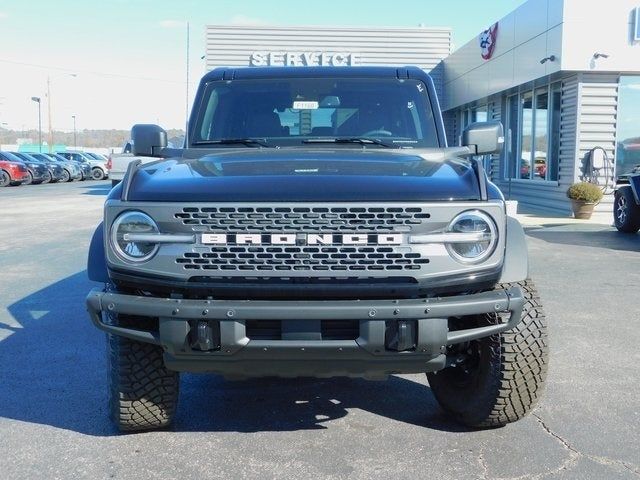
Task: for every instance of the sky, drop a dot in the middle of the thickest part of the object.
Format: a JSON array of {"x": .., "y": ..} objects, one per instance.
[{"x": 113, "y": 63}]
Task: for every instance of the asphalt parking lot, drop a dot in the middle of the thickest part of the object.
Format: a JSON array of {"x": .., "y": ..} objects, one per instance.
[{"x": 53, "y": 416}]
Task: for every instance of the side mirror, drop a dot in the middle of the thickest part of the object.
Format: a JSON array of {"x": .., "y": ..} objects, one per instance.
[
  {"x": 483, "y": 138},
  {"x": 148, "y": 140}
]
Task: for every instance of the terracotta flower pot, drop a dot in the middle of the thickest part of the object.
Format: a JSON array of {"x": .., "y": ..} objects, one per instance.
[{"x": 582, "y": 210}]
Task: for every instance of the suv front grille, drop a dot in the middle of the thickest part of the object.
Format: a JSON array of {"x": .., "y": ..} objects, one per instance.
[
  {"x": 303, "y": 258},
  {"x": 307, "y": 219}
]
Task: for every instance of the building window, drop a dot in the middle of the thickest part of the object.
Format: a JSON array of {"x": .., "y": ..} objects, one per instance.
[
  {"x": 480, "y": 114},
  {"x": 533, "y": 129},
  {"x": 628, "y": 128}
]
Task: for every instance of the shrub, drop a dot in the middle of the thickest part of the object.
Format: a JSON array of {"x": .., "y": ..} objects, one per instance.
[{"x": 585, "y": 192}]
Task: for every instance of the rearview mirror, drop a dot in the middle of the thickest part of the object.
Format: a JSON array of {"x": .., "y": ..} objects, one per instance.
[
  {"x": 148, "y": 140},
  {"x": 483, "y": 138}
]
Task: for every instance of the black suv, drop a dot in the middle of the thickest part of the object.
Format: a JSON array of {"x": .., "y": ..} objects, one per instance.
[{"x": 316, "y": 224}]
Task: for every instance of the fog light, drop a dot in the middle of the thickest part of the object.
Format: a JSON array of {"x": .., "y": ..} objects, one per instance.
[
  {"x": 205, "y": 336},
  {"x": 400, "y": 335}
]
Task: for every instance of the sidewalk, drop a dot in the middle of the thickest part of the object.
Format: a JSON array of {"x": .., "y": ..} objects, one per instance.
[{"x": 531, "y": 219}]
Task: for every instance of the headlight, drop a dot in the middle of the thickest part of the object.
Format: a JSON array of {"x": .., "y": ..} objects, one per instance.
[
  {"x": 133, "y": 224},
  {"x": 480, "y": 241}
]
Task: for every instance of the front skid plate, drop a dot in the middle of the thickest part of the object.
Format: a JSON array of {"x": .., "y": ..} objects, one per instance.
[{"x": 238, "y": 354}]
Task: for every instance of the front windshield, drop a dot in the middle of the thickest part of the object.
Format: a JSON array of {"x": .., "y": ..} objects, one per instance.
[{"x": 295, "y": 111}]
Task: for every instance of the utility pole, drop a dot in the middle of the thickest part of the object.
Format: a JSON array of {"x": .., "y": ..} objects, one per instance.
[
  {"x": 75, "y": 143},
  {"x": 37, "y": 100}
]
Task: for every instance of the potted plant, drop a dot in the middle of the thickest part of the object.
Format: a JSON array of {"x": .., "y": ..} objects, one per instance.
[{"x": 584, "y": 197}]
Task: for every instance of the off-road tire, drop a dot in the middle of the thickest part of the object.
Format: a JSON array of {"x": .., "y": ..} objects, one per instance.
[
  {"x": 97, "y": 173},
  {"x": 143, "y": 393},
  {"x": 626, "y": 212},
  {"x": 509, "y": 374}
]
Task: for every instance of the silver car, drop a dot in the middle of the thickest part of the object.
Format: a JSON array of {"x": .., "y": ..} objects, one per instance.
[{"x": 98, "y": 166}]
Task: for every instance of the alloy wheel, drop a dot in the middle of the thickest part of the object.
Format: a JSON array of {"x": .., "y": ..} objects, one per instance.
[
  {"x": 621, "y": 210},
  {"x": 5, "y": 179},
  {"x": 97, "y": 174}
]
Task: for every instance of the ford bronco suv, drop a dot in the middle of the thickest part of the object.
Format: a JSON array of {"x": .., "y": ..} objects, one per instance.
[{"x": 316, "y": 224}]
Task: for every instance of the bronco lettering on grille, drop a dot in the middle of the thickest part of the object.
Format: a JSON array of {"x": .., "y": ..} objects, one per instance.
[{"x": 300, "y": 239}]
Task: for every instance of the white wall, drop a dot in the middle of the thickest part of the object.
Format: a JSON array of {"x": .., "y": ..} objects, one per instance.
[
  {"x": 603, "y": 27},
  {"x": 570, "y": 30},
  {"x": 525, "y": 36},
  {"x": 233, "y": 45}
]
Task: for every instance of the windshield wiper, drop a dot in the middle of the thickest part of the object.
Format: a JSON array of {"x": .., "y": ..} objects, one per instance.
[
  {"x": 360, "y": 140},
  {"x": 250, "y": 142}
]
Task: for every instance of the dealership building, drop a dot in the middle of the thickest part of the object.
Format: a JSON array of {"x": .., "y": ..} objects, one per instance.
[{"x": 563, "y": 76}]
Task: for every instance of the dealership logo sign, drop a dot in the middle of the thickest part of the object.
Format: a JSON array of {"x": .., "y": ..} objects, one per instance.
[
  {"x": 488, "y": 41},
  {"x": 302, "y": 59}
]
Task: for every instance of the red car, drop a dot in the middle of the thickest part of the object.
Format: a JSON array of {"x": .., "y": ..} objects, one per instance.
[{"x": 12, "y": 173}]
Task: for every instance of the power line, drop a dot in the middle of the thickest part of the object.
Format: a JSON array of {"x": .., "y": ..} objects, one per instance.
[{"x": 90, "y": 72}]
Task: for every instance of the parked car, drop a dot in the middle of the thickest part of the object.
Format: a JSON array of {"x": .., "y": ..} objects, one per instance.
[
  {"x": 85, "y": 167},
  {"x": 119, "y": 162},
  {"x": 72, "y": 170},
  {"x": 37, "y": 172},
  {"x": 98, "y": 166},
  {"x": 55, "y": 169},
  {"x": 626, "y": 206},
  {"x": 12, "y": 173},
  {"x": 341, "y": 253},
  {"x": 97, "y": 156}
]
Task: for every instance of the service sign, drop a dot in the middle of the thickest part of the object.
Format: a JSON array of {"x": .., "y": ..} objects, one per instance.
[{"x": 302, "y": 59}]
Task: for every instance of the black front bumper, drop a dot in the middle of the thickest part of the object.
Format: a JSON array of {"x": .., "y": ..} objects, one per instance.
[{"x": 366, "y": 355}]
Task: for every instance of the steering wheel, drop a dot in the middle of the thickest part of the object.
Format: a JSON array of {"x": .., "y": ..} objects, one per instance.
[{"x": 383, "y": 133}]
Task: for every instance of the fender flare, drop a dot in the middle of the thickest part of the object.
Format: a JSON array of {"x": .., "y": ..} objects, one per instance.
[
  {"x": 516, "y": 255},
  {"x": 97, "y": 262}
]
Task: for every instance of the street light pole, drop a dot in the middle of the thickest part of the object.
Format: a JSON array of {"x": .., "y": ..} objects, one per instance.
[
  {"x": 75, "y": 143},
  {"x": 37, "y": 100}
]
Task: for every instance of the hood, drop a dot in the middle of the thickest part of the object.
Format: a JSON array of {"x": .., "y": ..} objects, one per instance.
[{"x": 309, "y": 174}]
